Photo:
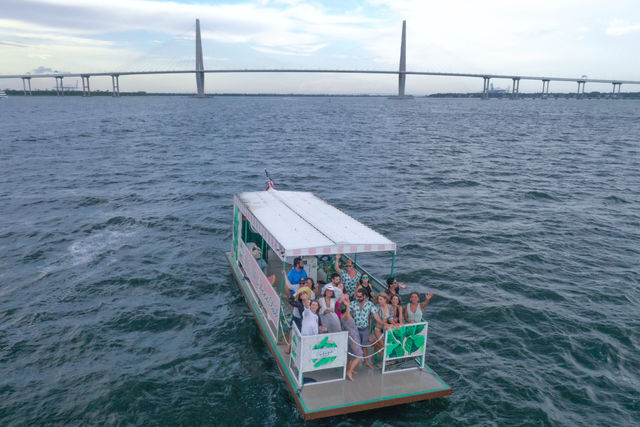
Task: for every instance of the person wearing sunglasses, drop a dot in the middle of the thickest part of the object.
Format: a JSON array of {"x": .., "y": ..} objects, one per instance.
[
  {"x": 393, "y": 287},
  {"x": 349, "y": 276},
  {"x": 365, "y": 285}
]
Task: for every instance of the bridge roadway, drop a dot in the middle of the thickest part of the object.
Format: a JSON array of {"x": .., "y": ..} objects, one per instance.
[{"x": 486, "y": 77}]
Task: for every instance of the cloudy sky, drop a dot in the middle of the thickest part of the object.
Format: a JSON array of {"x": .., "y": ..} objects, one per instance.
[{"x": 566, "y": 38}]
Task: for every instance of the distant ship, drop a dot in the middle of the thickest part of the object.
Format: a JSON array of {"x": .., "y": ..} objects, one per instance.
[
  {"x": 498, "y": 91},
  {"x": 3, "y": 94}
]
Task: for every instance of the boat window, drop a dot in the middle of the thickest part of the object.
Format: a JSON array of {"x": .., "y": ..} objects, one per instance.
[{"x": 249, "y": 235}]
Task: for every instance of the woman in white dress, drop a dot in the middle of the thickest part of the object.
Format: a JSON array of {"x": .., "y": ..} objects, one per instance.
[
  {"x": 310, "y": 324},
  {"x": 328, "y": 316}
]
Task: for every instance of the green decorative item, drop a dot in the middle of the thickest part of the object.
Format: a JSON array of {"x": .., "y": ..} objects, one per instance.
[
  {"x": 405, "y": 341},
  {"x": 237, "y": 218},
  {"x": 294, "y": 346},
  {"x": 325, "y": 343}
]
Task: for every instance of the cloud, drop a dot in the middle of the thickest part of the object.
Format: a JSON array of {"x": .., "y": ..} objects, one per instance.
[
  {"x": 12, "y": 44},
  {"x": 292, "y": 51},
  {"x": 620, "y": 27},
  {"x": 42, "y": 70},
  {"x": 240, "y": 23}
]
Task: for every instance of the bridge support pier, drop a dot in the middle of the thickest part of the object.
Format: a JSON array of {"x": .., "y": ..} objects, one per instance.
[
  {"x": 485, "y": 88},
  {"x": 615, "y": 94},
  {"x": 199, "y": 63},
  {"x": 59, "y": 86},
  {"x": 26, "y": 81},
  {"x": 581, "y": 84},
  {"x": 545, "y": 89},
  {"x": 116, "y": 85},
  {"x": 515, "y": 90},
  {"x": 402, "y": 76},
  {"x": 86, "y": 91}
]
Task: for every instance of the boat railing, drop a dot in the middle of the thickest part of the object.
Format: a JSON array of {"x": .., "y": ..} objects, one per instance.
[
  {"x": 285, "y": 325},
  {"x": 311, "y": 353}
]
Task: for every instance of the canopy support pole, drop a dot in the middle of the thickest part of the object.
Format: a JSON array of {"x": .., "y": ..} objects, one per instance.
[
  {"x": 261, "y": 251},
  {"x": 393, "y": 262},
  {"x": 284, "y": 266},
  {"x": 246, "y": 228}
]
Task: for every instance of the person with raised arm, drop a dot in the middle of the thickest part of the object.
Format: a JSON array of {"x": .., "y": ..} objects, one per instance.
[
  {"x": 310, "y": 320},
  {"x": 393, "y": 287},
  {"x": 349, "y": 276},
  {"x": 299, "y": 301},
  {"x": 415, "y": 309}
]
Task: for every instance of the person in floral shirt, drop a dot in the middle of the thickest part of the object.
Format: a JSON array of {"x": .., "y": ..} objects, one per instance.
[
  {"x": 350, "y": 277},
  {"x": 361, "y": 308}
]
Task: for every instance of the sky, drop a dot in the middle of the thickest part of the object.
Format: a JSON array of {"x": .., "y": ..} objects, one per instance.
[{"x": 562, "y": 38}]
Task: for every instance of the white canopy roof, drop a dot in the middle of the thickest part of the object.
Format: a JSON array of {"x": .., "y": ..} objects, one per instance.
[{"x": 296, "y": 223}]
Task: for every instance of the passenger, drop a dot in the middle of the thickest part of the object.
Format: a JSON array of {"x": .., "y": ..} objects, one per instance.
[
  {"x": 344, "y": 298},
  {"x": 396, "y": 307},
  {"x": 293, "y": 288},
  {"x": 328, "y": 316},
  {"x": 355, "y": 349},
  {"x": 384, "y": 319},
  {"x": 310, "y": 320},
  {"x": 315, "y": 290},
  {"x": 299, "y": 301},
  {"x": 393, "y": 287},
  {"x": 350, "y": 276},
  {"x": 414, "y": 312},
  {"x": 365, "y": 283},
  {"x": 297, "y": 272},
  {"x": 361, "y": 309},
  {"x": 340, "y": 290},
  {"x": 339, "y": 287}
]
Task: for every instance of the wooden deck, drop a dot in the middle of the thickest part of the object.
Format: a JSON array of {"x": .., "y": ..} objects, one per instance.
[{"x": 369, "y": 390}]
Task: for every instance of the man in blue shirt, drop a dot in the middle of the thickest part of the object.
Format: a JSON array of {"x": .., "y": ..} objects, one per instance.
[{"x": 297, "y": 272}]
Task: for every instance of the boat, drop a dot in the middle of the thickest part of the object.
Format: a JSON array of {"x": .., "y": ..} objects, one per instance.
[
  {"x": 3, "y": 94},
  {"x": 272, "y": 227}
]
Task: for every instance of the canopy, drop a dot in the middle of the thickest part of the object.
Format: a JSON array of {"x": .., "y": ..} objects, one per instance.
[{"x": 296, "y": 223}]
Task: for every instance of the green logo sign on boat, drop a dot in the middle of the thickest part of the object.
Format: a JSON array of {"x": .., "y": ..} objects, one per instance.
[
  {"x": 324, "y": 352},
  {"x": 405, "y": 341}
]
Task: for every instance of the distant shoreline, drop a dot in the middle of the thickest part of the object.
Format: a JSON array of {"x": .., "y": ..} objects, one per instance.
[{"x": 562, "y": 95}]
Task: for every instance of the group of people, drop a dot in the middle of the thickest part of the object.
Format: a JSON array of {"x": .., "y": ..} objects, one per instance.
[{"x": 348, "y": 302}]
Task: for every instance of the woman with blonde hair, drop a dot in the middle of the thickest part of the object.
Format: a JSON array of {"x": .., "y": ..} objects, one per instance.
[{"x": 383, "y": 318}]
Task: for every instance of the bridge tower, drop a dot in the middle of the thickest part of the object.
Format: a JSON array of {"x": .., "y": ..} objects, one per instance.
[
  {"x": 199, "y": 63},
  {"x": 402, "y": 77}
]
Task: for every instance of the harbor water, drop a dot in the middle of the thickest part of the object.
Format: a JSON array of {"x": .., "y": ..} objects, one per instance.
[{"x": 117, "y": 305}]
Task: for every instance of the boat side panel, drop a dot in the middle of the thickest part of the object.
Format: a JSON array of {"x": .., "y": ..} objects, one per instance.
[{"x": 272, "y": 347}]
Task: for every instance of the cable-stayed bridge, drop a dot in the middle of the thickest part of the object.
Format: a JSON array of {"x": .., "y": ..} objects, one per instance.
[{"x": 199, "y": 71}]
